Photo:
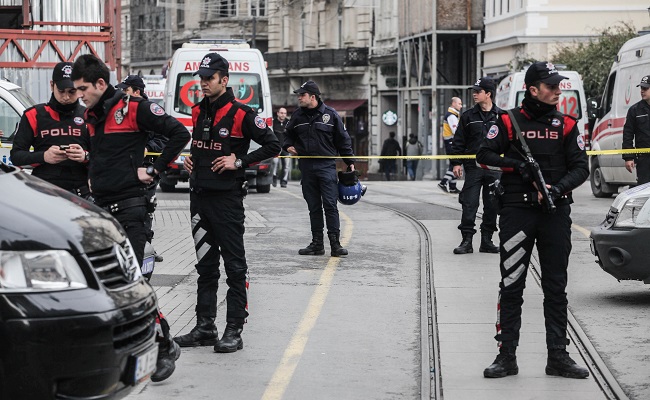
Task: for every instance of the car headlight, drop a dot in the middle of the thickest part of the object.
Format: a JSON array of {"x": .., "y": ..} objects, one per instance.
[
  {"x": 39, "y": 270},
  {"x": 632, "y": 214}
]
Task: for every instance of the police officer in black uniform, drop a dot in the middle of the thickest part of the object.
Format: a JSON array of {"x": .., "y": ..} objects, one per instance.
[
  {"x": 317, "y": 130},
  {"x": 223, "y": 129},
  {"x": 118, "y": 125},
  {"x": 473, "y": 126},
  {"x": 555, "y": 143},
  {"x": 57, "y": 131},
  {"x": 636, "y": 134}
]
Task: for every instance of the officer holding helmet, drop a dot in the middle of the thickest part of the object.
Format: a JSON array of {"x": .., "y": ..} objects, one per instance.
[
  {"x": 317, "y": 130},
  {"x": 554, "y": 142},
  {"x": 223, "y": 130},
  {"x": 57, "y": 132}
]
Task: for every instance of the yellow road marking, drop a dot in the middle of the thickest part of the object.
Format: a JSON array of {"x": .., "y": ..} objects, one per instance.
[
  {"x": 582, "y": 230},
  {"x": 292, "y": 354}
]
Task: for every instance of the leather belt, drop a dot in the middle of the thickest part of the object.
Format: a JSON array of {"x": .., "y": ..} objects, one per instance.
[{"x": 124, "y": 204}]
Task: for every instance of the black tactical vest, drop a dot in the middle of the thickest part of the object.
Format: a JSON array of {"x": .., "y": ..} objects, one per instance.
[
  {"x": 50, "y": 132},
  {"x": 545, "y": 138},
  {"x": 211, "y": 140}
]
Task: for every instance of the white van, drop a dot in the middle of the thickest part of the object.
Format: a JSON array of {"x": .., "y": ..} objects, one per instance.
[
  {"x": 573, "y": 102},
  {"x": 155, "y": 88},
  {"x": 631, "y": 63},
  {"x": 13, "y": 102},
  {"x": 249, "y": 81}
]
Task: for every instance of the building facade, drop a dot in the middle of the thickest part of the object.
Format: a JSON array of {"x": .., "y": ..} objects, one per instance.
[
  {"x": 520, "y": 30},
  {"x": 146, "y": 37}
]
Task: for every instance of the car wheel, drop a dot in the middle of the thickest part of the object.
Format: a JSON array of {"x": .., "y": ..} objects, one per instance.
[
  {"x": 597, "y": 183},
  {"x": 166, "y": 187},
  {"x": 263, "y": 188}
]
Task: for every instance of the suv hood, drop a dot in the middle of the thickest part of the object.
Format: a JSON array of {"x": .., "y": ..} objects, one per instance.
[
  {"x": 637, "y": 191},
  {"x": 35, "y": 215}
]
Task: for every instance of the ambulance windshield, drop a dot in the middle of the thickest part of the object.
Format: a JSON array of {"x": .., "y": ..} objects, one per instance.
[{"x": 246, "y": 87}]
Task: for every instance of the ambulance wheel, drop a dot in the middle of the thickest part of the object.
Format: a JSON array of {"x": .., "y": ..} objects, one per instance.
[
  {"x": 597, "y": 183},
  {"x": 263, "y": 188}
]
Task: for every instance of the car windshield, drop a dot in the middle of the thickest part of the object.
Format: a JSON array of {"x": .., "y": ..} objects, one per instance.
[
  {"x": 569, "y": 103},
  {"x": 10, "y": 117},
  {"x": 246, "y": 87}
]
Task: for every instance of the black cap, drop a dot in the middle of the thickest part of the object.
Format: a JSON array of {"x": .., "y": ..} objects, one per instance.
[
  {"x": 485, "y": 83},
  {"x": 645, "y": 82},
  {"x": 543, "y": 71},
  {"x": 61, "y": 75},
  {"x": 133, "y": 81},
  {"x": 211, "y": 63},
  {"x": 308, "y": 87}
]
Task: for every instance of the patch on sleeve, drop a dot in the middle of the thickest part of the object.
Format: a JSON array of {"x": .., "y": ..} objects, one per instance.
[
  {"x": 156, "y": 109},
  {"x": 259, "y": 122},
  {"x": 581, "y": 142},
  {"x": 493, "y": 132}
]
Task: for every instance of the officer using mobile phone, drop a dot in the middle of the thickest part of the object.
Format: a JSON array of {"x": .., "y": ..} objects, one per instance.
[{"x": 57, "y": 132}]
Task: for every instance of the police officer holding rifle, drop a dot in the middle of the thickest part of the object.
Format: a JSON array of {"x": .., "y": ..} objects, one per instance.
[{"x": 543, "y": 161}]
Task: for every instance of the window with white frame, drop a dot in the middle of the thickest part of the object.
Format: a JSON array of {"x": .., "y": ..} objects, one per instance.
[{"x": 258, "y": 8}]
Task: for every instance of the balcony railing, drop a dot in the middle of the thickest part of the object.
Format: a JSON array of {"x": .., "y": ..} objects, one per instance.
[{"x": 350, "y": 57}]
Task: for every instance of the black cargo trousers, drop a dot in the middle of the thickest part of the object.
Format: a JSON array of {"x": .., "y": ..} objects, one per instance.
[
  {"x": 520, "y": 229},
  {"x": 218, "y": 230}
]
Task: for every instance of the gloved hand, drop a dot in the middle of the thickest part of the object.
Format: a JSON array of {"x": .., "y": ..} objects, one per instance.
[
  {"x": 555, "y": 192},
  {"x": 524, "y": 171}
]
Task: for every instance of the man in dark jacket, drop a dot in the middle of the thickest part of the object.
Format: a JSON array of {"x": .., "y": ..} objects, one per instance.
[
  {"x": 556, "y": 145},
  {"x": 473, "y": 126},
  {"x": 636, "y": 134},
  {"x": 223, "y": 130},
  {"x": 279, "y": 126},
  {"x": 118, "y": 125},
  {"x": 390, "y": 147},
  {"x": 317, "y": 130},
  {"x": 57, "y": 132}
]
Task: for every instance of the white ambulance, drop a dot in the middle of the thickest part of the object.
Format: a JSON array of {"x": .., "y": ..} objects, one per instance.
[
  {"x": 250, "y": 84},
  {"x": 631, "y": 63},
  {"x": 511, "y": 90}
]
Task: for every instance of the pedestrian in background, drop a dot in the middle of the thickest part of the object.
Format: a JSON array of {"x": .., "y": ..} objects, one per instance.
[
  {"x": 473, "y": 127},
  {"x": 317, "y": 130},
  {"x": 57, "y": 131},
  {"x": 636, "y": 134},
  {"x": 223, "y": 130},
  {"x": 554, "y": 141},
  {"x": 413, "y": 148},
  {"x": 449, "y": 126},
  {"x": 279, "y": 126},
  {"x": 118, "y": 124},
  {"x": 390, "y": 148}
]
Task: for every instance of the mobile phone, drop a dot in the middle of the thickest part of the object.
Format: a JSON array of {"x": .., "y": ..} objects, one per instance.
[{"x": 64, "y": 146}]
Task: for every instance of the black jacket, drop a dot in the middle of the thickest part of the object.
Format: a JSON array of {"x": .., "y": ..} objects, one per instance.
[
  {"x": 636, "y": 131},
  {"x": 279, "y": 128},
  {"x": 119, "y": 126},
  {"x": 46, "y": 125},
  {"x": 318, "y": 132},
  {"x": 555, "y": 143},
  {"x": 473, "y": 126}
]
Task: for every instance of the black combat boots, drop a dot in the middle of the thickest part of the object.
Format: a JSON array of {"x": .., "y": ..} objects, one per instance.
[
  {"x": 486, "y": 244},
  {"x": 168, "y": 353},
  {"x": 560, "y": 364},
  {"x": 337, "y": 249},
  {"x": 466, "y": 245},
  {"x": 316, "y": 247},
  {"x": 203, "y": 334},
  {"x": 231, "y": 340},
  {"x": 505, "y": 364}
]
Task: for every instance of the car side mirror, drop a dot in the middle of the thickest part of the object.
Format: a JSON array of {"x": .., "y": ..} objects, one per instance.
[{"x": 593, "y": 108}]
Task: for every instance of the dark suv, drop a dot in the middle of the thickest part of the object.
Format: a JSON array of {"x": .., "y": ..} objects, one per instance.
[{"x": 77, "y": 320}]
